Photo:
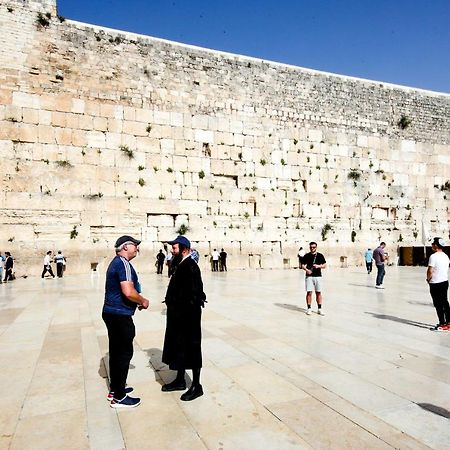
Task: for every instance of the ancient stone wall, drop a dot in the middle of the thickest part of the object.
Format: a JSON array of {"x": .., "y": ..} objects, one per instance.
[{"x": 104, "y": 132}]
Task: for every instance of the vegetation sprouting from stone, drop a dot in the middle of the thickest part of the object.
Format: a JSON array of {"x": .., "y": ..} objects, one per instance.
[
  {"x": 404, "y": 122},
  {"x": 183, "y": 229},
  {"x": 127, "y": 151},
  {"x": 43, "y": 19},
  {"x": 354, "y": 175},
  {"x": 64, "y": 164},
  {"x": 325, "y": 229}
]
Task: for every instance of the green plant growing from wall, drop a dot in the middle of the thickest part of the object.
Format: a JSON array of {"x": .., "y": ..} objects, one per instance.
[
  {"x": 295, "y": 141},
  {"x": 161, "y": 197},
  {"x": 64, "y": 164},
  {"x": 308, "y": 159},
  {"x": 155, "y": 169},
  {"x": 149, "y": 128},
  {"x": 404, "y": 122},
  {"x": 325, "y": 230},
  {"x": 201, "y": 174},
  {"x": 354, "y": 175},
  {"x": 262, "y": 162},
  {"x": 141, "y": 167},
  {"x": 141, "y": 182},
  {"x": 127, "y": 151},
  {"x": 94, "y": 196},
  {"x": 400, "y": 238},
  {"x": 74, "y": 232},
  {"x": 415, "y": 234},
  {"x": 260, "y": 227},
  {"x": 169, "y": 169},
  {"x": 353, "y": 235},
  {"x": 311, "y": 146},
  {"x": 43, "y": 19},
  {"x": 283, "y": 162},
  {"x": 183, "y": 229},
  {"x": 11, "y": 239},
  {"x": 246, "y": 215}
]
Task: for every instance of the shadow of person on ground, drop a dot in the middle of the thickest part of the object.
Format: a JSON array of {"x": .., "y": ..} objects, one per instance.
[
  {"x": 291, "y": 307},
  {"x": 435, "y": 409},
  {"x": 400, "y": 320},
  {"x": 163, "y": 374}
]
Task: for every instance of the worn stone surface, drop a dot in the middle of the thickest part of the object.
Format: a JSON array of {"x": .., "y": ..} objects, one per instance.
[{"x": 104, "y": 132}]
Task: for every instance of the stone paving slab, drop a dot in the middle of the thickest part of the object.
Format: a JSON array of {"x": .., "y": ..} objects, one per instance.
[{"x": 369, "y": 374}]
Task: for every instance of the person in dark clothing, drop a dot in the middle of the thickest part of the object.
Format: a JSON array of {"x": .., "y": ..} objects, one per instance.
[
  {"x": 160, "y": 258},
  {"x": 223, "y": 260},
  {"x": 122, "y": 296},
  {"x": 182, "y": 342},
  {"x": 60, "y": 261},
  {"x": 9, "y": 264},
  {"x": 313, "y": 263}
]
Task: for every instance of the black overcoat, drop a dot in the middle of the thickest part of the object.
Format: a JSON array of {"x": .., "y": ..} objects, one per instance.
[{"x": 184, "y": 299}]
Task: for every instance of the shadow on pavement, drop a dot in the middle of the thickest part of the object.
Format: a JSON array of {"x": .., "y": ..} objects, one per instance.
[
  {"x": 400, "y": 320},
  {"x": 291, "y": 307},
  {"x": 435, "y": 409}
]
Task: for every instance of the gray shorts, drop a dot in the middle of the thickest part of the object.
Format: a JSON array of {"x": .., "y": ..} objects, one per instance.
[{"x": 313, "y": 284}]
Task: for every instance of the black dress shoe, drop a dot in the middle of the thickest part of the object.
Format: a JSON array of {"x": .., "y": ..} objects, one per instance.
[
  {"x": 192, "y": 393},
  {"x": 174, "y": 386}
]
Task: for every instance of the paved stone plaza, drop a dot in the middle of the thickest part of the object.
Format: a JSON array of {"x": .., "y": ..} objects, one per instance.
[{"x": 367, "y": 375}]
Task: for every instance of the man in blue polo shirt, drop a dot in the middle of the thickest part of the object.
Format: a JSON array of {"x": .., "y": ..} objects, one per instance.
[{"x": 122, "y": 296}]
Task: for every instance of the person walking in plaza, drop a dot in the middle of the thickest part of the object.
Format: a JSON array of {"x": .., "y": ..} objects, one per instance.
[
  {"x": 60, "y": 261},
  {"x": 379, "y": 258},
  {"x": 47, "y": 265},
  {"x": 9, "y": 266},
  {"x": 313, "y": 263},
  {"x": 160, "y": 258},
  {"x": 223, "y": 260},
  {"x": 437, "y": 278},
  {"x": 182, "y": 342},
  {"x": 122, "y": 296},
  {"x": 368, "y": 258},
  {"x": 169, "y": 258},
  {"x": 215, "y": 256}
]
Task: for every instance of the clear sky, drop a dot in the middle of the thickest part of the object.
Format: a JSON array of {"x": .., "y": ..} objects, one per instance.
[{"x": 398, "y": 41}]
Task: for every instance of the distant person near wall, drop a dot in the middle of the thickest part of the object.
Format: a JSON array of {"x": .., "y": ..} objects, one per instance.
[
  {"x": 60, "y": 261},
  {"x": 368, "y": 258},
  {"x": 223, "y": 260},
  {"x": 437, "y": 278},
  {"x": 47, "y": 265},
  {"x": 380, "y": 257}
]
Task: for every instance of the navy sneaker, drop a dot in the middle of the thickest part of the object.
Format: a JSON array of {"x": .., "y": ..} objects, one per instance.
[
  {"x": 110, "y": 396},
  {"x": 126, "y": 402}
]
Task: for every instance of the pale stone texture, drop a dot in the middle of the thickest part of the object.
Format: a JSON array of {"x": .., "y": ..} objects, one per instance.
[{"x": 269, "y": 159}]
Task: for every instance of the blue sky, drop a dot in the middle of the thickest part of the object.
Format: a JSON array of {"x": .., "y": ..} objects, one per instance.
[{"x": 396, "y": 41}]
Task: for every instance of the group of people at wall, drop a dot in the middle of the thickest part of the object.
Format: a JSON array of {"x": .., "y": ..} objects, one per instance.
[
  {"x": 60, "y": 261},
  {"x": 218, "y": 260}
]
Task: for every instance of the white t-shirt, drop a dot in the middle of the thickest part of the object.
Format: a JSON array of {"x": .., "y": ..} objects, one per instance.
[
  {"x": 46, "y": 260},
  {"x": 439, "y": 262},
  {"x": 215, "y": 256}
]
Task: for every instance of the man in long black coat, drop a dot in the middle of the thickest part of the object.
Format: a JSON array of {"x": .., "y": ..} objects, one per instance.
[{"x": 184, "y": 299}]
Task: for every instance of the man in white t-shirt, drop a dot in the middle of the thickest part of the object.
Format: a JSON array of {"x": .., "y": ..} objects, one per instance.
[
  {"x": 437, "y": 278},
  {"x": 215, "y": 260}
]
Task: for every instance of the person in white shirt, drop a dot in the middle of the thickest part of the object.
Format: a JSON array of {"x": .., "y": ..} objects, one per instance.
[
  {"x": 215, "y": 260},
  {"x": 47, "y": 265},
  {"x": 437, "y": 278}
]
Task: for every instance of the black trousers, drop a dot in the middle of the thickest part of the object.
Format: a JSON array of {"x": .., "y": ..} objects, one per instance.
[
  {"x": 438, "y": 293},
  {"x": 215, "y": 266},
  {"x": 59, "y": 269},
  {"x": 369, "y": 267},
  {"x": 121, "y": 332},
  {"x": 159, "y": 267},
  {"x": 8, "y": 275},
  {"x": 49, "y": 270}
]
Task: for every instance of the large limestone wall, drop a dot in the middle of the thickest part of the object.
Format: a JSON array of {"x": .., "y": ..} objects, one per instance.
[{"x": 104, "y": 133}]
